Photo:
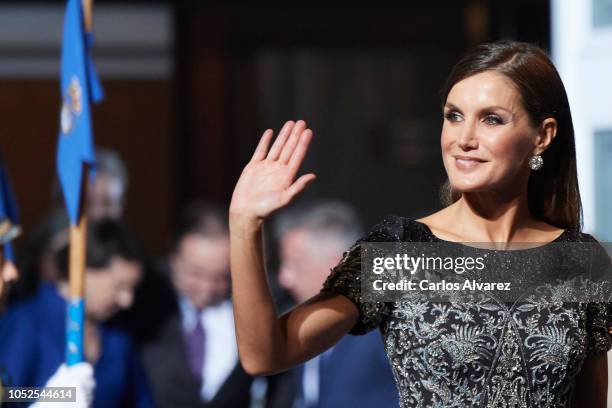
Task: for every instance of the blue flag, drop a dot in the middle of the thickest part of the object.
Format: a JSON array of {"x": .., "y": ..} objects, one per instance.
[
  {"x": 97, "y": 92},
  {"x": 79, "y": 87},
  {"x": 9, "y": 223}
]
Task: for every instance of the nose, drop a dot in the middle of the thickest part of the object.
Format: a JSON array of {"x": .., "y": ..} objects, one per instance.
[
  {"x": 467, "y": 139},
  {"x": 9, "y": 272},
  {"x": 125, "y": 299},
  {"x": 284, "y": 277}
]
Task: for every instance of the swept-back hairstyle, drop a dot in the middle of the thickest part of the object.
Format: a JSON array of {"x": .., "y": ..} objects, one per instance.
[
  {"x": 323, "y": 217},
  {"x": 553, "y": 194}
]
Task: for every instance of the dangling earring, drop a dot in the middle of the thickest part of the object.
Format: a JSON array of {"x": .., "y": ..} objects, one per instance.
[{"x": 536, "y": 162}]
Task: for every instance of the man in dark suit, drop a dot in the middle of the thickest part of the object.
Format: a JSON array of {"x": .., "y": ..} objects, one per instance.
[
  {"x": 355, "y": 372},
  {"x": 192, "y": 361}
]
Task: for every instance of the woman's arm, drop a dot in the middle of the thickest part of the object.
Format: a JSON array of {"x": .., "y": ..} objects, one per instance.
[
  {"x": 591, "y": 389},
  {"x": 267, "y": 343}
]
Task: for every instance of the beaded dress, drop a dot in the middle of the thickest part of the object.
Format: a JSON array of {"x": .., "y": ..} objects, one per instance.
[{"x": 476, "y": 354}]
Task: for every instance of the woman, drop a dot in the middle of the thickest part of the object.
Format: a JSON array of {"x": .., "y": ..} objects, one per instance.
[
  {"x": 505, "y": 112},
  {"x": 32, "y": 334}
]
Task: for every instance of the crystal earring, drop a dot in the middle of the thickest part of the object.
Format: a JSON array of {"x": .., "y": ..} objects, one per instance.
[{"x": 536, "y": 162}]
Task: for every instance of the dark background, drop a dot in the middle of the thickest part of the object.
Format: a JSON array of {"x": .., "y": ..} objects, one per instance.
[{"x": 366, "y": 78}]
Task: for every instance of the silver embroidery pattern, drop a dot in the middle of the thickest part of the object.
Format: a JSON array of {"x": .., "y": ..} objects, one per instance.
[{"x": 476, "y": 351}]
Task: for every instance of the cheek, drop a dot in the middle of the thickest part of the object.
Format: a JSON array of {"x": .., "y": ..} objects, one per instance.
[
  {"x": 223, "y": 282},
  {"x": 316, "y": 271},
  {"x": 509, "y": 148},
  {"x": 91, "y": 285},
  {"x": 446, "y": 137},
  {"x": 446, "y": 142},
  {"x": 196, "y": 282},
  {"x": 182, "y": 280},
  {"x": 99, "y": 291}
]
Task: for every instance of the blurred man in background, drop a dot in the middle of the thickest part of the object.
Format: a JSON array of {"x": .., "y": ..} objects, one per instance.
[
  {"x": 193, "y": 360},
  {"x": 356, "y": 371},
  {"x": 106, "y": 197}
]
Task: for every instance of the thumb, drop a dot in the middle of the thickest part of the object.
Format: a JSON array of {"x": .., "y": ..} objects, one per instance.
[{"x": 299, "y": 185}]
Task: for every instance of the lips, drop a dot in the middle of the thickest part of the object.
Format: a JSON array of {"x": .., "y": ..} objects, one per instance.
[{"x": 467, "y": 162}]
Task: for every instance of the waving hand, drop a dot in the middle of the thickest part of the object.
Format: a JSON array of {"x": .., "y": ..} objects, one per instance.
[{"x": 268, "y": 182}]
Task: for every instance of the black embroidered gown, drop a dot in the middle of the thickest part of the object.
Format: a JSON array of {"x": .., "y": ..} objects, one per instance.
[{"x": 475, "y": 354}]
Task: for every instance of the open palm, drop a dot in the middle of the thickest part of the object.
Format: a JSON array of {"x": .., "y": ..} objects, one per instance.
[{"x": 267, "y": 182}]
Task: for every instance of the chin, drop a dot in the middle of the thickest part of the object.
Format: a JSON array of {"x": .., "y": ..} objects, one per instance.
[
  {"x": 202, "y": 303},
  {"x": 102, "y": 316},
  {"x": 94, "y": 317},
  {"x": 464, "y": 188},
  {"x": 470, "y": 186}
]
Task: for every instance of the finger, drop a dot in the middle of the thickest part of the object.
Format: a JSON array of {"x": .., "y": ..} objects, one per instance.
[
  {"x": 299, "y": 185},
  {"x": 300, "y": 151},
  {"x": 262, "y": 146},
  {"x": 280, "y": 140},
  {"x": 292, "y": 141}
]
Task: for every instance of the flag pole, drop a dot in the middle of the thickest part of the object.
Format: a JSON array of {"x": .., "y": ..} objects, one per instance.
[
  {"x": 76, "y": 278},
  {"x": 78, "y": 250},
  {"x": 87, "y": 14}
]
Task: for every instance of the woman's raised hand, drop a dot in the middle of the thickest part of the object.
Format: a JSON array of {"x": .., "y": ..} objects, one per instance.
[{"x": 268, "y": 183}]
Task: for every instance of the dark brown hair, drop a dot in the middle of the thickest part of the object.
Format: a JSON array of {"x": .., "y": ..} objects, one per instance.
[
  {"x": 106, "y": 239},
  {"x": 552, "y": 191},
  {"x": 204, "y": 218}
]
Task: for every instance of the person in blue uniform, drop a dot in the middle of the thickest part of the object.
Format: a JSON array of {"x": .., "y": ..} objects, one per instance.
[
  {"x": 78, "y": 375},
  {"x": 32, "y": 332}
]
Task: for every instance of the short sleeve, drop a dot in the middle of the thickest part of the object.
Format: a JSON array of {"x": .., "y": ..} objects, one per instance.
[
  {"x": 598, "y": 322},
  {"x": 345, "y": 278},
  {"x": 599, "y": 313}
]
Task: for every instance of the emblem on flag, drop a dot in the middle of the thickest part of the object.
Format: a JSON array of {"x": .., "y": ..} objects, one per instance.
[{"x": 72, "y": 105}]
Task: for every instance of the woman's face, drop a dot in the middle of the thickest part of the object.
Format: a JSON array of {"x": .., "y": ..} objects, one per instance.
[
  {"x": 487, "y": 138},
  {"x": 111, "y": 289}
]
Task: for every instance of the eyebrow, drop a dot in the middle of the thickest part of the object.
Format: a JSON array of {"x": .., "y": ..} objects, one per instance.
[{"x": 488, "y": 108}]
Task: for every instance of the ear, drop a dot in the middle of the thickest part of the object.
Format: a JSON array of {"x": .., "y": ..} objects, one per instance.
[{"x": 546, "y": 134}]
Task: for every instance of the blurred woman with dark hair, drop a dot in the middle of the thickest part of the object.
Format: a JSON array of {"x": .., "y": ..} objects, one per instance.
[
  {"x": 508, "y": 149},
  {"x": 32, "y": 334}
]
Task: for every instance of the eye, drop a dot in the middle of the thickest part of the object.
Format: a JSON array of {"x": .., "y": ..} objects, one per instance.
[
  {"x": 493, "y": 120},
  {"x": 452, "y": 116}
]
